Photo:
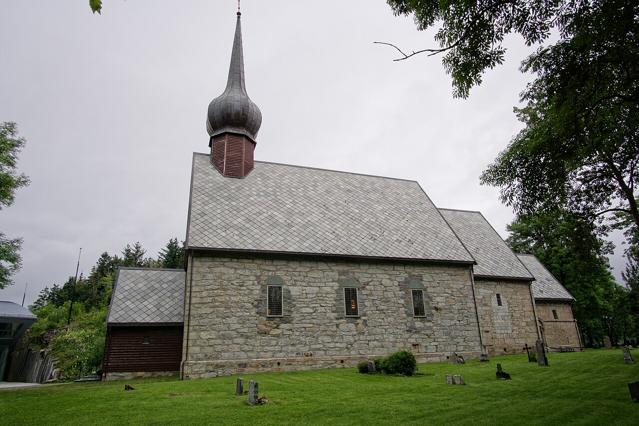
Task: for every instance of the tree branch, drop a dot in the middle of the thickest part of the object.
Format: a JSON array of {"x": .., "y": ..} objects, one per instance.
[
  {"x": 413, "y": 53},
  {"x": 612, "y": 210}
]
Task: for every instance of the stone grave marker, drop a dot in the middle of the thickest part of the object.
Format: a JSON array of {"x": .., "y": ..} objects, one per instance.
[
  {"x": 458, "y": 359},
  {"x": 627, "y": 356},
  {"x": 634, "y": 391},
  {"x": 239, "y": 386},
  {"x": 371, "y": 367},
  {"x": 501, "y": 374},
  {"x": 542, "y": 359},
  {"x": 449, "y": 379},
  {"x": 483, "y": 357},
  {"x": 252, "y": 393},
  {"x": 458, "y": 380},
  {"x": 607, "y": 342}
]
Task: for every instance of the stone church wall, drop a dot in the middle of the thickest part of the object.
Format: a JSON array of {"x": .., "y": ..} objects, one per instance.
[
  {"x": 560, "y": 332},
  {"x": 227, "y": 330},
  {"x": 506, "y": 328}
]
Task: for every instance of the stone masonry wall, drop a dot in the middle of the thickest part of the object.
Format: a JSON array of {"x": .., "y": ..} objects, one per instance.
[
  {"x": 560, "y": 332},
  {"x": 506, "y": 328},
  {"x": 227, "y": 330}
]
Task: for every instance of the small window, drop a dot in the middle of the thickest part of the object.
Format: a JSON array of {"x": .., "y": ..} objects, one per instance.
[
  {"x": 274, "y": 302},
  {"x": 418, "y": 303},
  {"x": 146, "y": 340},
  {"x": 499, "y": 299},
  {"x": 554, "y": 314},
  {"x": 350, "y": 299},
  {"x": 5, "y": 329}
]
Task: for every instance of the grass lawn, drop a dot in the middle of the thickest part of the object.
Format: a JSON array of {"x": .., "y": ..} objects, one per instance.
[{"x": 585, "y": 388}]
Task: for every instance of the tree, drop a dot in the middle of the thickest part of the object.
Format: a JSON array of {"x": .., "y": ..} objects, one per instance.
[
  {"x": 10, "y": 181},
  {"x": 471, "y": 33},
  {"x": 580, "y": 146},
  {"x": 572, "y": 249},
  {"x": 133, "y": 256},
  {"x": 172, "y": 255},
  {"x": 96, "y": 6}
]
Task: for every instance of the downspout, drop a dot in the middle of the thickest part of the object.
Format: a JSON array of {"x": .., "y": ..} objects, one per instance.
[
  {"x": 534, "y": 305},
  {"x": 472, "y": 285},
  {"x": 187, "y": 320}
]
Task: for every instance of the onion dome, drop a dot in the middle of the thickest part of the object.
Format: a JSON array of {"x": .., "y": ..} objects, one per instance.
[{"x": 233, "y": 111}]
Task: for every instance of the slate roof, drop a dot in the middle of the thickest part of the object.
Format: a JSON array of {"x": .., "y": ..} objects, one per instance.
[
  {"x": 12, "y": 310},
  {"x": 292, "y": 209},
  {"x": 545, "y": 285},
  {"x": 494, "y": 258},
  {"x": 147, "y": 296}
]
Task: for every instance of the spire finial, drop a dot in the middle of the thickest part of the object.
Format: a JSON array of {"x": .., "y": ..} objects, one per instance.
[{"x": 239, "y": 12}]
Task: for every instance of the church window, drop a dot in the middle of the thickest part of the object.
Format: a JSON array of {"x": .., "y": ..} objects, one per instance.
[
  {"x": 5, "y": 329},
  {"x": 554, "y": 314},
  {"x": 350, "y": 299},
  {"x": 418, "y": 303},
  {"x": 274, "y": 301},
  {"x": 499, "y": 300}
]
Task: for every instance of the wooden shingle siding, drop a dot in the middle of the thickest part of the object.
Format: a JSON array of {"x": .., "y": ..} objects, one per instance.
[{"x": 143, "y": 349}]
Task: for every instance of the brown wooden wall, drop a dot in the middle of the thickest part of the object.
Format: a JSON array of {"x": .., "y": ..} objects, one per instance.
[{"x": 126, "y": 350}]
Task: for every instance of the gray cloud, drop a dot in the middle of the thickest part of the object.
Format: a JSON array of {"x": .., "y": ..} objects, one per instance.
[{"x": 113, "y": 106}]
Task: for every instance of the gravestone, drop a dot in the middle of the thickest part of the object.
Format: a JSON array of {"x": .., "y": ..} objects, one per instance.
[
  {"x": 483, "y": 357},
  {"x": 458, "y": 359},
  {"x": 454, "y": 379},
  {"x": 627, "y": 356},
  {"x": 531, "y": 355},
  {"x": 371, "y": 367},
  {"x": 607, "y": 342},
  {"x": 634, "y": 391},
  {"x": 501, "y": 374},
  {"x": 252, "y": 393},
  {"x": 239, "y": 387},
  {"x": 542, "y": 359}
]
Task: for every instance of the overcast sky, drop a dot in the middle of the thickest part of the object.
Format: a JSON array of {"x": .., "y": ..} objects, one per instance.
[{"x": 113, "y": 106}]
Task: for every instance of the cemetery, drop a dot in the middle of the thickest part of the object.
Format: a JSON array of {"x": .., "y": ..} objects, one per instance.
[{"x": 592, "y": 386}]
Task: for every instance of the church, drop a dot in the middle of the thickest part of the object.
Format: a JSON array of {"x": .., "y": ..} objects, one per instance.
[{"x": 291, "y": 267}]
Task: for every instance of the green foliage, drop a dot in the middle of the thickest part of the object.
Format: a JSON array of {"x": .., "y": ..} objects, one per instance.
[
  {"x": 78, "y": 349},
  {"x": 571, "y": 248},
  {"x": 402, "y": 362},
  {"x": 362, "y": 367},
  {"x": 10, "y": 181},
  {"x": 96, "y": 6},
  {"x": 10, "y": 147},
  {"x": 471, "y": 33},
  {"x": 172, "y": 255},
  {"x": 580, "y": 145},
  {"x": 10, "y": 259}
]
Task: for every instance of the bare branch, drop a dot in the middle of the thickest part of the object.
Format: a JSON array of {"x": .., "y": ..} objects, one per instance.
[
  {"x": 612, "y": 210},
  {"x": 405, "y": 56}
]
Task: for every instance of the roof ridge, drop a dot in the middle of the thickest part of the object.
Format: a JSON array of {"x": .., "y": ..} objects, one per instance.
[
  {"x": 142, "y": 268},
  {"x": 459, "y": 210},
  {"x": 326, "y": 170}
]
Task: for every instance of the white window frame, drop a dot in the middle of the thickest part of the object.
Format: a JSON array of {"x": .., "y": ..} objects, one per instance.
[
  {"x": 268, "y": 307},
  {"x": 356, "y": 301}
]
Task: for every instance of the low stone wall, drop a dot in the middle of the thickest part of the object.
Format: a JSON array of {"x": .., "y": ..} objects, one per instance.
[
  {"x": 205, "y": 369},
  {"x": 507, "y": 328},
  {"x": 227, "y": 328},
  {"x": 138, "y": 375}
]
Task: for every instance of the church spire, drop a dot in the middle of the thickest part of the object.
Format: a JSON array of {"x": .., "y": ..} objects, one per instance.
[{"x": 233, "y": 119}]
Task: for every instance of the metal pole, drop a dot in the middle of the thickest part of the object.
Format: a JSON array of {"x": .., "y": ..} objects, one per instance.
[
  {"x": 24, "y": 295},
  {"x": 75, "y": 280}
]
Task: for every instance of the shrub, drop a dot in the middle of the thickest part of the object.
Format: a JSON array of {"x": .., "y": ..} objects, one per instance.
[
  {"x": 362, "y": 367},
  {"x": 402, "y": 362}
]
